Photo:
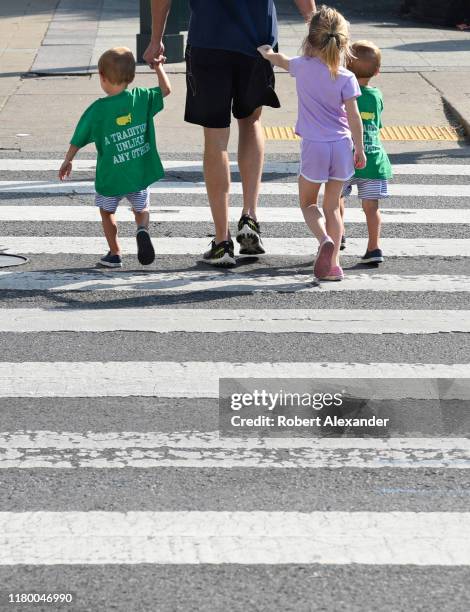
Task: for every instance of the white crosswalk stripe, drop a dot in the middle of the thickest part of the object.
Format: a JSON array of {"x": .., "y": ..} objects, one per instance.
[
  {"x": 267, "y": 321},
  {"x": 190, "y": 187},
  {"x": 394, "y": 538},
  {"x": 185, "y": 166},
  {"x": 184, "y": 282},
  {"x": 187, "y": 379},
  {"x": 177, "y": 245},
  {"x": 194, "y": 214},
  {"x": 29, "y": 450},
  {"x": 77, "y": 307}
]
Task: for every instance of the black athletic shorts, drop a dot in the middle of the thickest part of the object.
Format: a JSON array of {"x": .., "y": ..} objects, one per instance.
[{"x": 220, "y": 82}]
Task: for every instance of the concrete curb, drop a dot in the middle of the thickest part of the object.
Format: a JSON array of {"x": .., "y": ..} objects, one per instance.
[
  {"x": 454, "y": 109},
  {"x": 458, "y": 105}
]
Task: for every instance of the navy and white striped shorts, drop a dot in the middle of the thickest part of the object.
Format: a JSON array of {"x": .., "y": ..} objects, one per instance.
[
  {"x": 139, "y": 200},
  {"x": 367, "y": 189}
]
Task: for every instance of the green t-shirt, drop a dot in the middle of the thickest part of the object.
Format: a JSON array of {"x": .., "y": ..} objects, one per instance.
[
  {"x": 370, "y": 104},
  {"x": 122, "y": 129}
]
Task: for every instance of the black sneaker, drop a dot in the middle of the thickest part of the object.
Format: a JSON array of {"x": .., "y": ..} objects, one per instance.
[
  {"x": 343, "y": 243},
  {"x": 145, "y": 250},
  {"x": 221, "y": 254},
  {"x": 249, "y": 236},
  {"x": 111, "y": 261},
  {"x": 374, "y": 256}
]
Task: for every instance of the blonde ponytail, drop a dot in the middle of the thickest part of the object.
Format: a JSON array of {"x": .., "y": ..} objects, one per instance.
[{"x": 328, "y": 39}]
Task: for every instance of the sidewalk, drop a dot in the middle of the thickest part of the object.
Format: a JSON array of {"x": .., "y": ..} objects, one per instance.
[
  {"x": 23, "y": 24},
  {"x": 64, "y": 38},
  {"x": 80, "y": 31}
]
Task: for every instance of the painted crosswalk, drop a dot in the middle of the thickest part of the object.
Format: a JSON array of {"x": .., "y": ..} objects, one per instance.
[
  {"x": 190, "y": 281},
  {"x": 148, "y": 415},
  {"x": 187, "y": 379},
  {"x": 118, "y": 450},
  {"x": 178, "y": 245},
  {"x": 272, "y": 538},
  {"x": 266, "y": 321},
  {"x": 195, "y": 214},
  {"x": 193, "y": 188},
  {"x": 191, "y": 166}
]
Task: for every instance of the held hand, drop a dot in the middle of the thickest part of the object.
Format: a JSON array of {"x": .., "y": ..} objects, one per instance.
[
  {"x": 266, "y": 51},
  {"x": 65, "y": 170},
  {"x": 154, "y": 53},
  {"x": 158, "y": 62},
  {"x": 360, "y": 160}
]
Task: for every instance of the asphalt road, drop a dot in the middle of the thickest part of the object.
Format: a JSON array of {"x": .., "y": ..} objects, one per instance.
[{"x": 176, "y": 488}]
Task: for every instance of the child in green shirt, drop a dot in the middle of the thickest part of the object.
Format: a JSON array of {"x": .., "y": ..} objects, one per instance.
[
  {"x": 371, "y": 181},
  {"x": 121, "y": 126}
]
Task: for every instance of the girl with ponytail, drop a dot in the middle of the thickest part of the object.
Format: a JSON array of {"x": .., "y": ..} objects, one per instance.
[{"x": 330, "y": 126}]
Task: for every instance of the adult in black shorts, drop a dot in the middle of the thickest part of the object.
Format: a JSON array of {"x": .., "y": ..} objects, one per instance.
[{"x": 225, "y": 75}]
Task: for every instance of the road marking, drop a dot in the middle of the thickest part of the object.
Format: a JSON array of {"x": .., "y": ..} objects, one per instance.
[
  {"x": 196, "y": 280},
  {"x": 390, "y": 132},
  {"x": 194, "y": 214},
  {"x": 211, "y": 440},
  {"x": 301, "y": 247},
  {"x": 187, "y": 379},
  {"x": 339, "y": 538},
  {"x": 65, "y": 450},
  {"x": 187, "y": 166},
  {"x": 189, "y": 187},
  {"x": 271, "y": 321}
]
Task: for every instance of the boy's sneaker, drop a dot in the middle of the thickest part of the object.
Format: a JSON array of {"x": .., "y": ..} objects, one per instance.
[
  {"x": 374, "y": 256},
  {"x": 335, "y": 274},
  {"x": 343, "y": 243},
  {"x": 249, "y": 236},
  {"x": 323, "y": 261},
  {"x": 221, "y": 254},
  {"x": 111, "y": 261},
  {"x": 145, "y": 250}
]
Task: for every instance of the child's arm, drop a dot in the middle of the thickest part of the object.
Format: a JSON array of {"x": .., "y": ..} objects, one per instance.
[
  {"x": 66, "y": 167},
  {"x": 356, "y": 127},
  {"x": 277, "y": 59},
  {"x": 163, "y": 80}
]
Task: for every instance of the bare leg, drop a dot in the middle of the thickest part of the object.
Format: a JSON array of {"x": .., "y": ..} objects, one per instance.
[
  {"x": 334, "y": 223},
  {"x": 341, "y": 209},
  {"x": 308, "y": 195},
  {"x": 217, "y": 177},
  {"x": 250, "y": 160},
  {"x": 374, "y": 222},
  {"x": 110, "y": 231},
  {"x": 142, "y": 219}
]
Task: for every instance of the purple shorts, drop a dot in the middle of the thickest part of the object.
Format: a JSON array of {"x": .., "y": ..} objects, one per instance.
[{"x": 321, "y": 162}]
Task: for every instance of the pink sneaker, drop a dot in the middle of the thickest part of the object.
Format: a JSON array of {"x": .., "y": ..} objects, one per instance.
[
  {"x": 335, "y": 274},
  {"x": 323, "y": 261}
]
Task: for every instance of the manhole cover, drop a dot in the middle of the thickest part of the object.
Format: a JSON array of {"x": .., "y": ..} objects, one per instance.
[{"x": 12, "y": 260}]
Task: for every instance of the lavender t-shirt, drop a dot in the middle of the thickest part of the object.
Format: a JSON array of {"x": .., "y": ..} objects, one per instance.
[{"x": 322, "y": 114}]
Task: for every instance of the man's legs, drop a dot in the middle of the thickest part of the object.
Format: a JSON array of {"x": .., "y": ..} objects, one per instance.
[
  {"x": 217, "y": 177},
  {"x": 250, "y": 160}
]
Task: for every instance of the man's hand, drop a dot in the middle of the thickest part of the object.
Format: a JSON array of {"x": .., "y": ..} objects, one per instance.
[
  {"x": 360, "y": 159},
  {"x": 154, "y": 54},
  {"x": 65, "y": 170},
  {"x": 266, "y": 51}
]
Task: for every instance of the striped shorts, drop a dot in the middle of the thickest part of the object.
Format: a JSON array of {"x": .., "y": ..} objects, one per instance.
[
  {"x": 139, "y": 200},
  {"x": 367, "y": 189}
]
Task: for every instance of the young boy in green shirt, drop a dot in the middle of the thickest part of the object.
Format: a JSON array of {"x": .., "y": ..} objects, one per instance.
[
  {"x": 371, "y": 181},
  {"x": 121, "y": 126}
]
